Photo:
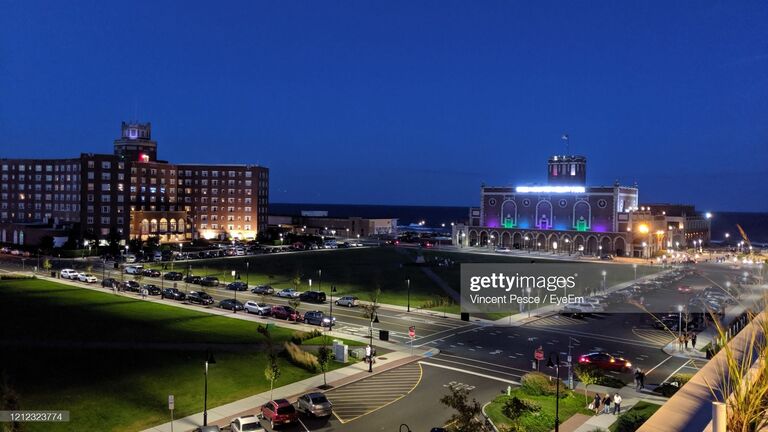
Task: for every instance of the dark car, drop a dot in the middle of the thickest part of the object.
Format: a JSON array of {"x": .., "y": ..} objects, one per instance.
[
  {"x": 319, "y": 318},
  {"x": 231, "y": 304},
  {"x": 603, "y": 360},
  {"x": 312, "y": 296},
  {"x": 109, "y": 283},
  {"x": 151, "y": 273},
  {"x": 174, "y": 276},
  {"x": 193, "y": 279},
  {"x": 200, "y": 297},
  {"x": 152, "y": 289},
  {"x": 286, "y": 313},
  {"x": 237, "y": 286},
  {"x": 263, "y": 289},
  {"x": 279, "y": 412},
  {"x": 173, "y": 294},
  {"x": 210, "y": 281},
  {"x": 131, "y": 286}
]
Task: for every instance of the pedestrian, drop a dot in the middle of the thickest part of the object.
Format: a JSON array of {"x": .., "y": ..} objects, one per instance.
[
  {"x": 680, "y": 343},
  {"x": 686, "y": 340},
  {"x": 607, "y": 404},
  {"x": 144, "y": 293},
  {"x": 637, "y": 378},
  {"x": 596, "y": 403},
  {"x": 616, "y": 404},
  {"x": 693, "y": 341},
  {"x": 642, "y": 380}
]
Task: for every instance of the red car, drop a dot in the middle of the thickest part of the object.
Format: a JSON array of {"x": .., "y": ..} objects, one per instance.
[
  {"x": 684, "y": 289},
  {"x": 279, "y": 412},
  {"x": 286, "y": 313},
  {"x": 604, "y": 360}
]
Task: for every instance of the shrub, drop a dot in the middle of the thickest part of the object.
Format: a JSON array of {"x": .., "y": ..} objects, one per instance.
[
  {"x": 674, "y": 384},
  {"x": 14, "y": 276},
  {"x": 301, "y": 358},
  {"x": 539, "y": 384},
  {"x": 300, "y": 336},
  {"x": 514, "y": 407},
  {"x": 631, "y": 421}
]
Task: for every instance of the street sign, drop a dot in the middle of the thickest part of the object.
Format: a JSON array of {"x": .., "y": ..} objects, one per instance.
[
  {"x": 412, "y": 331},
  {"x": 170, "y": 402},
  {"x": 539, "y": 354}
]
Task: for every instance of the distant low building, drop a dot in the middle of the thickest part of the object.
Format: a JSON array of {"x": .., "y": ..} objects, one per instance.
[{"x": 349, "y": 227}]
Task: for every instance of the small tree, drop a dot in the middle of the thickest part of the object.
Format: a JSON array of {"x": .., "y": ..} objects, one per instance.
[
  {"x": 294, "y": 302},
  {"x": 138, "y": 277},
  {"x": 296, "y": 281},
  {"x": 587, "y": 376},
  {"x": 47, "y": 264},
  {"x": 324, "y": 355},
  {"x": 465, "y": 419},
  {"x": 272, "y": 372}
]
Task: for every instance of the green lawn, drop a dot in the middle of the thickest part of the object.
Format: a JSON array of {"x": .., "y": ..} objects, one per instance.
[
  {"x": 112, "y": 361},
  {"x": 544, "y": 420}
]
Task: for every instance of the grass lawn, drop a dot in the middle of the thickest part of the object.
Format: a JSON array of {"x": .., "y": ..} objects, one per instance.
[
  {"x": 353, "y": 272},
  {"x": 320, "y": 340},
  {"x": 543, "y": 420},
  {"x": 641, "y": 408},
  {"x": 112, "y": 361}
]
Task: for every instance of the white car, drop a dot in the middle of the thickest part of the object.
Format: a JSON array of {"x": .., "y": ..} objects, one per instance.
[
  {"x": 239, "y": 252},
  {"x": 257, "y": 308},
  {"x": 134, "y": 269},
  {"x": 288, "y": 293},
  {"x": 581, "y": 308},
  {"x": 68, "y": 274},
  {"x": 348, "y": 301},
  {"x": 84, "y": 277},
  {"x": 130, "y": 258},
  {"x": 249, "y": 423},
  {"x": 503, "y": 250}
]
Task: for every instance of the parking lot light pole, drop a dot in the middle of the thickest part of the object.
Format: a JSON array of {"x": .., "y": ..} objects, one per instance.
[
  {"x": 556, "y": 365},
  {"x": 333, "y": 290},
  {"x": 208, "y": 361},
  {"x": 634, "y": 266},
  {"x": 374, "y": 319},
  {"x": 680, "y": 321},
  {"x": 247, "y": 271},
  {"x": 604, "y": 273},
  {"x": 408, "y": 282},
  {"x": 237, "y": 288}
]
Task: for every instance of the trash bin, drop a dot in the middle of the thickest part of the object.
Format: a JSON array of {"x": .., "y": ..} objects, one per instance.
[
  {"x": 53, "y": 274},
  {"x": 384, "y": 335}
]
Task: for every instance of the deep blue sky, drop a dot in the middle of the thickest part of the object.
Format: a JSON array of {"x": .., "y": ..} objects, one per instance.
[{"x": 404, "y": 102}]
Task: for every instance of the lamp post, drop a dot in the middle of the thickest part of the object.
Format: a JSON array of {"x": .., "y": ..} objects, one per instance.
[
  {"x": 679, "y": 321},
  {"x": 568, "y": 246},
  {"x": 634, "y": 267},
  {"x": 528, "y": 290},
  {"x": 237, "y": 287},
  {"x": 525, "y": 242},
  {"x": 604, "y": 273},
  {"x": 320, "y": 279},
  {"x": 554, "y": 248},
  {"x": 645, "y": 250},
  {"x": 556, "y": 365},
  {"x": 209, "y": 360},
  {"x": 374, "y": 319},
  {"x": 333, "y": 290},
  {"x": 408, "y": 282}
]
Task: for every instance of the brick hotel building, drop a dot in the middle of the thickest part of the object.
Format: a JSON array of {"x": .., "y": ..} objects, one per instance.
[{"x": 130, "y": 194}]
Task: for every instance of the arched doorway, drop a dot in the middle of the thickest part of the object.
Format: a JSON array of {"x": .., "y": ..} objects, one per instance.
[
  {"x": 483, "y": 238},
  {"x": 473, "y": 238},
  {"x": 506, "y": 239},
  {"x": 591, "y": 247},
  {"x": 620, "y": 246}
]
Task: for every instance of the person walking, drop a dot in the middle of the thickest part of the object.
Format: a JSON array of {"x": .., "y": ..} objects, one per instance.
[
  {"x": 637, "y": 378},
  {"x": 596, "y": 403},
  {"x": 607, "y": 404},
  {"x": 616, "y": 404},
  {"x": 686, "y": 340},
  {"x": 693, "y": 341},
  {"x": 642, "y": 380}
]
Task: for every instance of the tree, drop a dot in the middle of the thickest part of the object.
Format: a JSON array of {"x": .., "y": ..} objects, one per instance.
[
  {"x": 324, "y": 355},
  {"x": 272, "y": 372},
  {"x": 587, "y": 376},
  {"x": 296, "y": 281},
  {"x": 466, "y": 417},
  {"x": 294, "y": 302},
  {"x": 47, "y": 264}
]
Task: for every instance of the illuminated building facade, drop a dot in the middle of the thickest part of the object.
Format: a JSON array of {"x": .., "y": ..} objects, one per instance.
[
  {"x": 565, "y": 214},
  {"x": 130, "y": 194}
]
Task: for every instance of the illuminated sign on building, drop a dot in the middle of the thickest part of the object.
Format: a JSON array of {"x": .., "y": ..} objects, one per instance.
[{"x": 550, "y": 189}]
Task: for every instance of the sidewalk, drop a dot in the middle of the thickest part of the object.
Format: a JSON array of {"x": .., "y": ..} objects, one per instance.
[
  {"x": 222, "y": 415},
  {"x": 630, "y": 397}
]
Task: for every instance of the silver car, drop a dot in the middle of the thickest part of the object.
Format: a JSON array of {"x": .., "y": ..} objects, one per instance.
[
  {"x": 258, "y": 308},
  {"x": 348, "y": 301},
  {"x": 315, "y": 404}
]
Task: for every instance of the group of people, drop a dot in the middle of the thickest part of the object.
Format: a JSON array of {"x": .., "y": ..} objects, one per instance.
[
  {"x": 604, "y": 404},
  {"x": 686, "y": 338},
  {"x": 639, "y": 379}
]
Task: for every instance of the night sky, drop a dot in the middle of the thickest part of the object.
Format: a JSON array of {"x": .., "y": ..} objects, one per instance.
[{"x": 409, "y": 102}]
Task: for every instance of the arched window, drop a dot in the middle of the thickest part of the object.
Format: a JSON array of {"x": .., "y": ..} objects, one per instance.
[
  {"x": 144, "y": 227},
  {"x": 153, "y": 226},
  {"x": 172, "y": 226},
  {"x": 181, "y": 225},
  {"x": 163, "y": 225}
]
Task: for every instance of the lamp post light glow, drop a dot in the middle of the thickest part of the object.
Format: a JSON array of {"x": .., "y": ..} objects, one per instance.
[
  {"x": 680, "y": 321},
  {"x": 604, "y": 273},
  {"x": 554, "y": 247},
  {"x": 634, "y": 266}
]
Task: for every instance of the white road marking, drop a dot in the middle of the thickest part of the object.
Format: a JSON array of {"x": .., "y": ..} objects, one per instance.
[
  {"x": 660, "y": 363},
  {"x": 470, "y": 372}
]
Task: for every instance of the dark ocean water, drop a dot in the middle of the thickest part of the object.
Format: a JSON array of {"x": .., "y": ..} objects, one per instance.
[{"x": 755, "y": 224}]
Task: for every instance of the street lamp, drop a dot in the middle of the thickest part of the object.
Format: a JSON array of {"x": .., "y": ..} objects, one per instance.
[
  {"x": 525, "y": 244},
  {"x": 604, "y": 273},
  {"x": 679, "y": 321},
  {"x": 554, "y": 248},
  {"x": 234, "y": 306},
  {"x": 374, "y": 319},
  {"x": 408, "y": 282},
  {"x": 645, "y": 250},
  {"x": 556, "y": 365},
  {"x": 528, "y": 290},
  {"x": 209, "y": 360},
  {"x": 333, "y": 290},
  {"x": 568, "y": 245},
  {"x": 634, "y": 267}
]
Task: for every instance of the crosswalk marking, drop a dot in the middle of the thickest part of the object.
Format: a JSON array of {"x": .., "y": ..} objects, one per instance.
[{"x": 658, "y": 337}]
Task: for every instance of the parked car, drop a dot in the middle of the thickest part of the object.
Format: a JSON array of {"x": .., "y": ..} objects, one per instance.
[
  {"x": 603, "y": 360},
  {"x": 262, "y": 309},
  {"x": 237, "y": 286},
  {"x": 129, "y": 258},
  {"x": 131, "y": 286},
  {"x": 288, "y": 293},
  {"x": 315, "y": 405},
  {"x": 68, "y": 274},
  {"x": 231, "y": 304},
  {"x": 134, "y": 269},
  {"x": 210, "y": 281},
  {"x": 581, "y": 309},
  {"x": 684, "y": 289},
  {"x": 151, "y": 273},
  {"x": 152, "y": 289},
  {"x": 193, "y": 279},
  {"x": 348, "y": 301},
  {"x": 279, "y": 412},
  {"x": 312, "y": 296},
  {"x": 502, "y": 249},
  {"x": 200, "y": 297},
  {"x": 86, "y": 277},
  {"x": 606, "y": 257},
  {"x": 286, "y": 313},
  {"x": 173, "y": 294},
  {"x": 319, "y": 318},
  {"x": 249, "y": 423},
  {"x": 263, "y": 289},
  {"x": 109, "y": 283},
  {"x": 174, "y": 276}
]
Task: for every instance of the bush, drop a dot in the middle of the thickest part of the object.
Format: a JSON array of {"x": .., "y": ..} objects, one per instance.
[
  {"x": 539, "y": 384},
  {"x": 514, "y": 407},
  {"x": 14, "y": 276},
  {"x": 301, "y": 358},
  {"x": 300, "y": 336},
  {"x": 631, "y": 421},
  {"x": 674, "y": 384}
]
